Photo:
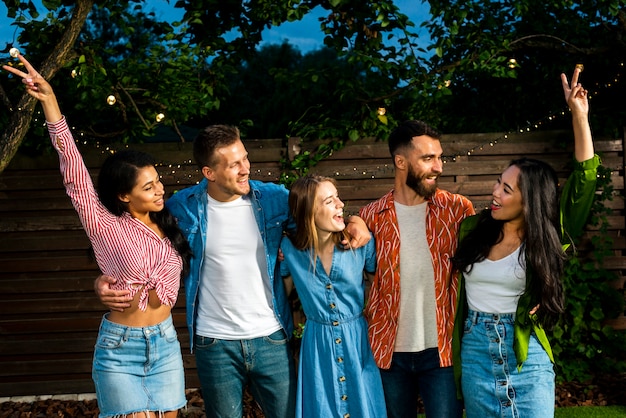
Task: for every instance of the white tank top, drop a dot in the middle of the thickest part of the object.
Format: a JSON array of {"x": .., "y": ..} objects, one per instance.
[{"x": 496, "y": 286}]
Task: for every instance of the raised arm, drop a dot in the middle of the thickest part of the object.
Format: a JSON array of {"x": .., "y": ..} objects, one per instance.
[
  {"x": 39, "y": 88},
  {"x": 576, "y": 98}
]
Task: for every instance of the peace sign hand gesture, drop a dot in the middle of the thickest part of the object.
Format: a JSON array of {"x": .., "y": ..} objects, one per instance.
[
  {"x": 39, "y": 88},
  {"x": 576, "y": 96}
]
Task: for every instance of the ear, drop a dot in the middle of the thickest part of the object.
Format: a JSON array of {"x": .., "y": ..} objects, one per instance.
[
  {"x": 400, "y": 161},
  {"x": 208, "y": 173},
  {"x": 123, "y": 198}
]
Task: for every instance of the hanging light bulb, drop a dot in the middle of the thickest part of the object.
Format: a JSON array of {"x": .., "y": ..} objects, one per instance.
[
  {"x": 111, "y": 100},
  {"x": 14, "y": 52},
  {"x": 160, "y": 117}
]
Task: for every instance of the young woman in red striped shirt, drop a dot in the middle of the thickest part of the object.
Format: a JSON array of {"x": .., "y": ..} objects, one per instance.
[{"x": 137, "y": 365}]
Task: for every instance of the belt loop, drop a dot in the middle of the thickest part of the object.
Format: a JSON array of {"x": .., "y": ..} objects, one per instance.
[
  {"x": 474, "y": 315},
  {"x": 126, "y": 333}
]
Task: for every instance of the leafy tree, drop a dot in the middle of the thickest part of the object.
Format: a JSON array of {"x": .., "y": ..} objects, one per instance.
[
  {"x": 461, "y": 81},
  {"x": 121, "y": 52},
  {"x": 475, "y": 40}
]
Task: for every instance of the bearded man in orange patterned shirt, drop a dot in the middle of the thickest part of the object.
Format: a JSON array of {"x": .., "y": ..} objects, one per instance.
[{"x": 412, "y": 301}]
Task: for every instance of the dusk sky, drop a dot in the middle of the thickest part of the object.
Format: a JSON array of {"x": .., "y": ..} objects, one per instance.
[{"x": 305, "y": 34}]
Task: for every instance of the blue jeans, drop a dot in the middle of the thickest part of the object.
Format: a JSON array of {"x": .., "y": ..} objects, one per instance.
[
  {"x": 413, "y": 374},
  {"x": 492, "y": 385},
  {"x": 265, "y": 364}
]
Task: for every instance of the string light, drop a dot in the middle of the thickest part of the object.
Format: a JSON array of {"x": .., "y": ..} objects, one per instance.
[
  {"x": 387, "y": 169},
  {"x": 535, "y": 125}
]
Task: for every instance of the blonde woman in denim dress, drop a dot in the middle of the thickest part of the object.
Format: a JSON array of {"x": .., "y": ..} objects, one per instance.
[{"x": 337, "y": 374}]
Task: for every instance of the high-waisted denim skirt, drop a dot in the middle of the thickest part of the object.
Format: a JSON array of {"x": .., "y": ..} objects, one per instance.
[
  {"x": 138, "y": 369},
  {"x": 492, "y": 385}
]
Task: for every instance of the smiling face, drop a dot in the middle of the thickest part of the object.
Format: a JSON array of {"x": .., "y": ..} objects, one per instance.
[
  {"x": 328, "y": 210},
  {"x": 229, "y": 177},
  {"x": 507, "y": 197},
  {"x": 423, "y": 165},
  {"x": 147, "y": 194}
]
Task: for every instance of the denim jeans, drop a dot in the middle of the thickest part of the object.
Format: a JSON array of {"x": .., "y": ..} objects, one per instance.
[
  {"x": 137, "y": 369},
  {"x": 492, "y": 384},
  {"x": 265, "y": 364},
  {"x": 413, "y": 374}
]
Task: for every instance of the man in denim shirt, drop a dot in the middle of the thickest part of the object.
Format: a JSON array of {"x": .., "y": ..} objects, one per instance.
[{"x": 238, "y": 314}]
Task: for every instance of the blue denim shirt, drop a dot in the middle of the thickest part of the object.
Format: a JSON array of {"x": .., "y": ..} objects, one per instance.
[{"x": 271, "y": 210}]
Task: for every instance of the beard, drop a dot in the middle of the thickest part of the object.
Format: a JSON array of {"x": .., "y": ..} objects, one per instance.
[{"x": 416, "y": 182}]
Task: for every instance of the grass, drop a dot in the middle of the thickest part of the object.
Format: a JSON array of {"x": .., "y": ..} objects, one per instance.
[
  {"x": 585, "y": 412},
  {"x": 591, "y": 412}
]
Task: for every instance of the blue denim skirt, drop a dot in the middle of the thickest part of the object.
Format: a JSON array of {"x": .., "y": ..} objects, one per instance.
[
  {"x": 492, "y": 385},
  {"x": 138, "y": 369}
]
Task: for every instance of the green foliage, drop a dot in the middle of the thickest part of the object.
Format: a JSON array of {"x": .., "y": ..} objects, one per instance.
[
  {"x": 208, "y": 68},
  {"x": 582, "y": 344},
  {"x": 292, "y": 170},
  {"x": 299, "y": 330},
  {"x": 475, "y": 39},
  {"x": 156, "y": 77}
]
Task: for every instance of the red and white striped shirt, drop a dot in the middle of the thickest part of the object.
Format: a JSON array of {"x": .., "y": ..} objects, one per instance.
[{"x": 125, "y": 248}]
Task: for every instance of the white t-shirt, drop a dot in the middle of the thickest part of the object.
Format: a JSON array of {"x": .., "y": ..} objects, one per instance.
[
  {"x": 417, "y": 322},
  {"x": 235, "y": 298}
]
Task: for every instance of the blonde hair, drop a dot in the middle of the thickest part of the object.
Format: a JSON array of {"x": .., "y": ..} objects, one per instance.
[{"x": 302, "y": 204}]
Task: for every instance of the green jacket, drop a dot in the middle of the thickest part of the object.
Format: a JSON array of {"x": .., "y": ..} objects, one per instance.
[{"x": 575, "y": 205}]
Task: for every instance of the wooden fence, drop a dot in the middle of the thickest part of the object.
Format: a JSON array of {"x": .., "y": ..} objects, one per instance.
[{"x": 49, "y": 314}]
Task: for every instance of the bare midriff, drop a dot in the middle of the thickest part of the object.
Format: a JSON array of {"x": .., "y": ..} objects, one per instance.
[{"x": 155, "y": 312}]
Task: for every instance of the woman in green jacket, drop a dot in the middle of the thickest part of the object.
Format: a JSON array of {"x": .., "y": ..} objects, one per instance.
[{"x": 511, "y": 259}]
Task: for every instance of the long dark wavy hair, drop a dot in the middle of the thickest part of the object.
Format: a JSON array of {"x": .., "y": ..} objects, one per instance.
[
  {"x": 542, "y": 247},
  {"x": 118, "y": 176}
]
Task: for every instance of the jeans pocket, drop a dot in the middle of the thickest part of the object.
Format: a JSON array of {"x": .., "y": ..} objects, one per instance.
[
  {"x": 277, "y": 338},
  {"x": 204, "y": 343},
  {"x": 170, "y": 334},
  {"x": 467, "y": 325},
  {"x": 108, "y": 340}
]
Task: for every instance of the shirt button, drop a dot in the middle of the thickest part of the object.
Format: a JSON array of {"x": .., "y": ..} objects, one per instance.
[
  {"x": 339, "y": 359},
  {"x": 346, "y": 415},
  {"x": 332, "y": 306},
  {"x": 342, "y": 379},
  {"x": 344, "y": 397},
  {"x": 329, "y": 286},
  {"x": 338, "y": 341},
  {"x": 335, "y": 323}
]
